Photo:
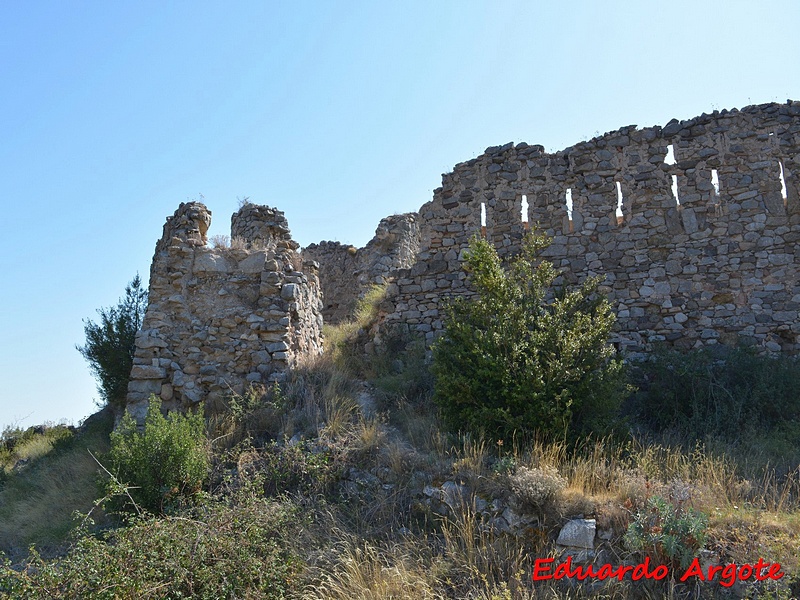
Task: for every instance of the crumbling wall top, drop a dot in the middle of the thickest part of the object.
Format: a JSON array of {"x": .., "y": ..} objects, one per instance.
[
  {"x": 262, "y": 227},
  {"x": 189, "y": 225}
]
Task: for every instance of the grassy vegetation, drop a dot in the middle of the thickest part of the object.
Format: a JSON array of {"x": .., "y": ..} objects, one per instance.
[
  {"x": 19, "y": 447},
  {"x": 316, "y": 491},
  {"x": 39, "y": 499}
]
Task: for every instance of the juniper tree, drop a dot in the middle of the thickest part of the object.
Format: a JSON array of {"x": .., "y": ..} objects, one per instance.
[{"x": 521, "y": 356}]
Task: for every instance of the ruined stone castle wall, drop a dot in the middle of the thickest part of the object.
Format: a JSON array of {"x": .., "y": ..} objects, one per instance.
[
  {"x": 710, "y": 266},
  {"x": 220, "y": 319},
  {"x": 346, "y": 272}
]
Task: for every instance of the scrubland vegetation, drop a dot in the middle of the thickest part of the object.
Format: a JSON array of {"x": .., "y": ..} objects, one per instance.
[{"x": 315, "y": 488}]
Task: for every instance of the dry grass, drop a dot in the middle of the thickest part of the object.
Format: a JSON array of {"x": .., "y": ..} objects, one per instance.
[
  {"x": 381, "y": 541},
  {"x": 345, "y": 341},
  {"x": 366, "y": 572},
  {"x": 220, "y": 241},
  {"x": 371, "y": 435},
  {"x": 478, "y": 557}
]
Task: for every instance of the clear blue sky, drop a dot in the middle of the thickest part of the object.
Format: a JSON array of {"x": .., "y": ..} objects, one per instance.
[{"x": 339, "y": 113}]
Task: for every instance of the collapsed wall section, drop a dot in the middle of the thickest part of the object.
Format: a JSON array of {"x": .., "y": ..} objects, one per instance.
[
  {"x": 346, "y": 273},
  {"x": 695, "y": 227},
  {"x": 220, "y": 319}
]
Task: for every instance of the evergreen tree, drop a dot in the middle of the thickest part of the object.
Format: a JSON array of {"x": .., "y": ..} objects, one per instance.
[
  {"x": 519, "y": 356},
  {"x": 110, "y": 344}
]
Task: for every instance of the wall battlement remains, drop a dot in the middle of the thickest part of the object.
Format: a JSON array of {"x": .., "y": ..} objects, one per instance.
[
  {"x": 220, "y": 319},
  {"x": 346, "y": 273},
  {"x": 694, "y": 225}
]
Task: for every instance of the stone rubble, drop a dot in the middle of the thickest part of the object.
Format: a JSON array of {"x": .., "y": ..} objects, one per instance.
[{"x": 578, "y": 533}]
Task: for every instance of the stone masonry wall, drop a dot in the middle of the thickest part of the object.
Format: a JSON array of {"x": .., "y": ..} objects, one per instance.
[
  {"x": 346, "y": 273},
  {"x": 708, "y": 267},
  {"x": 221, "y": 319}
]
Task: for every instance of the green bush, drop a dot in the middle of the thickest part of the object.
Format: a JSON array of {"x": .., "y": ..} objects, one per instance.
[
  {"x": 399, "y": 368},
  {"x": 667, "y": 532},
  {"x": 520, "y": 356},
  {"x": 165, "y": 462},
  {"x": 720, "y": 391},
  {"x": 17, "y": 445},
  {"x": 239, "y": 548},
  {"x": 290, "y": 469},
  {"x": 110, "y": 344}
]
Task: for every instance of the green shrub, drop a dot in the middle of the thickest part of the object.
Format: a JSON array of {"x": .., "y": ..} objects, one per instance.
[
  {"x": 520, "y": 356},
  {"x": 399, "y": 367},
  {"x": 667, "y": 532},
  {"x": 17, "y": 445},
  {"x": 110, "y": 344},
  {"x": 720, "y": 392},
  {"x": 239, "y": 548},
  {"x": 292, "y": 468},
  {"x": 165, "y": 462}
]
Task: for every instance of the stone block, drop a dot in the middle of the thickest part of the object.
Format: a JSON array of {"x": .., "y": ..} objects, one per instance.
[
  {"x": 144, "y": 387},
  {"x": 289, "y": 291},
  {"x": 578, "y": 533},
  {"x": 210, "y": 262},
  {"x": 147, "y": 372}
]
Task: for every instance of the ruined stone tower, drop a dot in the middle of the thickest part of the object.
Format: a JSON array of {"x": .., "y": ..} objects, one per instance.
[{"x": 220, "y": 319}]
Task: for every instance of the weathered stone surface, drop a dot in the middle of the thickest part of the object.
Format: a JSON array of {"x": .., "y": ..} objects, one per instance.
[
  {"x": 346, "y": 273},
  {"x": 150, "y": 339},
  {"x": 454, "y": 494},
  {"x": 144, "y": 387},
  {"x": 254, "y": 263},
  {"x": 578, "y": 533},
  {"x": 288, "y": 291},
  {"x": 210, "y": 261},
  {"x": 147, "y": 372}
]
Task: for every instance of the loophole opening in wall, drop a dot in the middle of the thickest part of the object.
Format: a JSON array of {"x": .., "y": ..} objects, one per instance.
[
  {"x": 483, "y": 219},
  {"x": 675, "y": 190},
  {"x": 619, "y": 213},
  {"x": 568, "y": 201},
  {"x": 524, "y": 213},
  {"x": 717, "y": 200},
  {"x": 669, "y": 159},
  {"x": 784, "y": 191},
  {"x": 715, "y": 183}
]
